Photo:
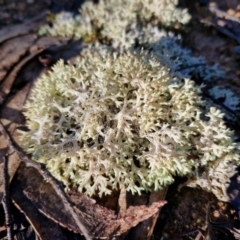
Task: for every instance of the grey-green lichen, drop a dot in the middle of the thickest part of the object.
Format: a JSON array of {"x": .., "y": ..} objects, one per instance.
[
  {"x": 119, "y": 22},
  {"x": 122, "y": 119},
  {"x": 123, "y": 24}
]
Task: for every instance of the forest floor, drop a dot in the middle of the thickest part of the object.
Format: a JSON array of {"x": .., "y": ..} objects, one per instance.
[{"x": 189, "y": 213}]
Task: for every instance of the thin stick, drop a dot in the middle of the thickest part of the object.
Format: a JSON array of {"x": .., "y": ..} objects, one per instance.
[
  {"x": 6, "y": 200},
  {"x": 49, "y": 178},
  {"x": 223, "y": 14}
]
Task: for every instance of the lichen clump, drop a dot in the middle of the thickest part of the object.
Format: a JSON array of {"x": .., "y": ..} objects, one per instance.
[
  {"x": 110, "y": 120},
  {"x": 124, "y": 25},
  {"x": 120, "y": 22}
]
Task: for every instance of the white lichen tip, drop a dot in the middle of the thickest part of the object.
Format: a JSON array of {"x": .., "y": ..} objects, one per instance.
[{"x": 111, "y": 119}]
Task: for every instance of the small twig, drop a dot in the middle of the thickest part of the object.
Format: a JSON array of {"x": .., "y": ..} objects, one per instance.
[
  {"x": 221, "y": 13},
  {"x": 49, "y": 178},
  {"x": 191, "y": 66},
  {"x": 191, "y": 234},
  {"x": 6, "y": 200},
  {"x": 122, "y": 201}
]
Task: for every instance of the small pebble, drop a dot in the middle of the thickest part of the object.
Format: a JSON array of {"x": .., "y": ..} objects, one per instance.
[
  {"x": 216, "y": 214},
  {"x": 165, "y": 235},
  {"x": 194, "y": 215}
]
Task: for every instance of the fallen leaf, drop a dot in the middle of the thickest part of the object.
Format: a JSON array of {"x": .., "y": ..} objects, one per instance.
[
  {"x": 11, "y": 117},
  {"x": 144, "y": 230},
  {"x": 100, "y": 222},
  {"x": 45, "y": 228},
  {"x": 228, "y": 28},
  {"x": 12, "y": 51},
  {"x": 25, "y": 28},
  {"x": 3, "y": 152}
]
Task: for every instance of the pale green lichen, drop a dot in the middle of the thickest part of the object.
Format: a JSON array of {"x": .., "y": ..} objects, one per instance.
[
  {"x": 120, "y": 22},
  {"x": 123, "y": 25},
  {"x": 109, "y": 120}
]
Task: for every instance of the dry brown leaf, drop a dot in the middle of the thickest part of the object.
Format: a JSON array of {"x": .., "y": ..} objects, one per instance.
[
  {"x": 41, "y": 194},
  {"x": 100, "y": 222},
  {"x": 3, "y": 228},
  {"x": 29, "y": 26},
  {"x": 10, "y": 79},
  {"x": 3, "y": 151},
  {"x": 145, "y": 229},
  {"x": 18, "y": 52},
  {"x": 48, "y": 178},
  {"x": 11, "y": 117},
  {"x": 11, "y": 52},
  {"x": 44, "y": 227},
  {"x": 11, "y": 114}
]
